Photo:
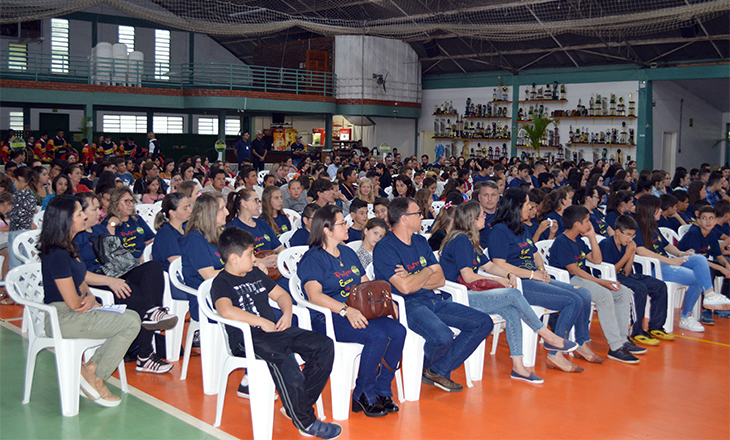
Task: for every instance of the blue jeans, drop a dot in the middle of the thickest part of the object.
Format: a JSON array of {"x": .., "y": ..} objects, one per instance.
[
  {"x": 574, "y": 305},
  {"x": 382, "y": 341},
  {"x": 430, "y": 316},
  {"x": 695, "y": 274},
  {"x": 512, "y": 306}
]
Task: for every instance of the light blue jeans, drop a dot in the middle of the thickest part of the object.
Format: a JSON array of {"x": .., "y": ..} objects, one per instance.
[
  {"x": 513, "y": 307},
  {"x": 695, "y": 274}
]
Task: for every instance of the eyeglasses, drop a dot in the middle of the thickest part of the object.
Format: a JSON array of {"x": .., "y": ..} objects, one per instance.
[
  {"x": 340, "y": 224},
  {"x": 414, "y": 213},
  {"x": 627, "y": 235},
  {"x": 127, "y": 201}
]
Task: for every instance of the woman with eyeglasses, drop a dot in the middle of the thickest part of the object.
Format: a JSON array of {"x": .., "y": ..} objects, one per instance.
[
  {"x": 141, "y": 288},
  {"x": 461, "y": 257},
  {"x": 150, "y": 172},
  {"x": 328, "y": 271}
]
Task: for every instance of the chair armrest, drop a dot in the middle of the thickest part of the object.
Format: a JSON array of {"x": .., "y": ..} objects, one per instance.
[
  {"x": 402, "y": 315},
  {"x": 607, "y": 271},
  {"x": 647, "y": 264},
  {"x": 302, "y": 314},
  {"x": 294, "y": 288},
  {"x": 457, "y": 291},
  {"x": 107, "y": 297},
  {"x": 559, "y": 274}
]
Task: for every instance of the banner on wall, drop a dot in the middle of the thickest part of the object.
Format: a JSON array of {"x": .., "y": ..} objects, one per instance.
[
  {"x": 345, "y": 134},
  {"x": 318, "y": 135},
  {"x": 279, "y": 135},
  {"x": 290, "y": 136}
]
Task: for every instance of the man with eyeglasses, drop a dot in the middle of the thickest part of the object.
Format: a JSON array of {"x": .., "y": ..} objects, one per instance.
[{"x": 405, "y": 259}]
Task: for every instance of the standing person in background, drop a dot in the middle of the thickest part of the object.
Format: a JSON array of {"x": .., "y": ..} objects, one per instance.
[
  {"x": 243, "y": 149},
  {"x": 153, "y": 146},
  {"x": 259, "y": 151},
  {"x": 298, "y": 150}
]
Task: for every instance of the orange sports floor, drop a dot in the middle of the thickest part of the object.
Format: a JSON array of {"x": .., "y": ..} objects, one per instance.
[{"x": 680, "y": 390}]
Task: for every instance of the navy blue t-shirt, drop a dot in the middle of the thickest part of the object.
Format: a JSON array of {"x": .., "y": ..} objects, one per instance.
[
  {"x": 516, "y": 182},
  {"x": 599, "y": 225},
  {"x": 561, "y": 225},
  {"x": 354, "y": 234},
  {"x": 517, "y": 250},
  {"x": 671, "y": 223},
  {"x": 166, "y": 245},
  {"x": 611, "y": 218},
  {"x": 56, "y": 266},
  {"x": 565, "y": 252},
  {"x": 484, "y": 233},
  {"x": 658, "y": 242},
  {"x": 336, "y": 275},
  {"x": 265, "y": 237},
  {"x": 694, "y": 239},
  {"x": 391, "y": 251},
  {"x": 134, "y": 234},
  {"x": 197, "y": 254},
  {"x": 300, "y": 238},
  {"x": 531, "y": 229},
  {"x": 612, "y": 251},
  {"x": 283, "y": 222},
  {"x": 721, "y": 230},
  {"x": 85, "y": 244},
  {"x": 458, "y": 254}
]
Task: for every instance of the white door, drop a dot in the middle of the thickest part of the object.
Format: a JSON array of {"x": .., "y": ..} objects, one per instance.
[{"x": 669, "y": 151}]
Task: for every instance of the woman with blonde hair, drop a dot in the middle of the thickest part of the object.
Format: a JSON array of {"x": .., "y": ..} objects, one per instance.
[
  {"x": 199, "y": 252},
  {"x": 365, "y": 191},
  {"x": 424, "y": 200}
]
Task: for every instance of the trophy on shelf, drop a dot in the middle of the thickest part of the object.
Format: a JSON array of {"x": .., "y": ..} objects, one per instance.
[
  {"x": 632, "y": 106},
  {"x": 619, "y": 156},
  {"x": 613, "y": 105},
  {"x": 621, "y": 109},
  {"x": 623, "y": 138},
  {"x": 468, "y": 107}
]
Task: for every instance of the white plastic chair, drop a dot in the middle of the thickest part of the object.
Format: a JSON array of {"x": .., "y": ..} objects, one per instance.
[
  {"x": 288, "y": 259},
  {"x": 24, "y": 285},
  {"x": 437, "y": 207},
  {"x": 148, "y": 212},
  {"x": 24, "y": 246},
  {"x": 543, "y": 247},
  {"x": 208, "y": 343},
  {"x": 261, "y": 386},
  {"x": 261, "y": 175},
  {"x": 652, "y": 267},
  {"x": 425, "y": 225},
  {"x": 147, "y": 253},
  {"x": 38, "y": 219},
  {"x": 669, "y": 235},
  {"x": 355, "y": 245},
  {"x": 348, "y": 220},
  {"x": 293, "y": 216},
  {"x": 286, "y": 236},
  {"x": 345, "y": 366},
  {"x": 683, "y": 230},
  {"x": 389, "y": 192}
]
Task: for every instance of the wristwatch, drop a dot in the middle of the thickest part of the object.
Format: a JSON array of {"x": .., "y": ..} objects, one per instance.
[
  {"x": 112, "y": 224},
  {"x": 343, "y": 312}
]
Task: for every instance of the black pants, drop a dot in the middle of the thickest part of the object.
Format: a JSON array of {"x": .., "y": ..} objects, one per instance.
[
  {"x": 148, "y": 285},
  {"x": 645, "y": 286},
  {"x": 299, "y": 389}
]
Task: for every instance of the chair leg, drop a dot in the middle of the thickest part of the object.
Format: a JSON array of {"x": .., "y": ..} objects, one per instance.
[
  {"x": 26, "y": 320},
  {"x": 194, "y": 325},
  {"x": 476, "y": 364},
  {"x": 68, "y": 364},
  {"x": 222, "y": 385},
  {"x": 412, "y": 366},
  {"x": 262, "y": 401},
  {"x": 529, "y": 346},
  {"x": 495, "y": 338},
  {"x": 174, "y": 336},
  {"x": 320, "y": 409},
  {"x": 211, "y": 349},
  {"x": 341, "y": 385},
  {"x": 399, "y": 385},
  {"x": 123, "y": 376},
  {"x": 33, "y": 350}
]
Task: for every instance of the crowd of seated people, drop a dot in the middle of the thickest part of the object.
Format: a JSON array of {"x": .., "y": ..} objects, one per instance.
[{"x": 366, "y": 214}]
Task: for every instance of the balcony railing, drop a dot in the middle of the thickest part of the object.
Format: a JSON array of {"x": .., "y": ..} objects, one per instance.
[{"x": 131, "y": 73}]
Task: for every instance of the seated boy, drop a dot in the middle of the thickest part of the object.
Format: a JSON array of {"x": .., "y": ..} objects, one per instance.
[
  {"x": 703, "y": 239},
  {"x": 296, "y": 200},
  {"x": 241, "y": 292},
  {"x": 682, "y": 205},
  {"x": 670, "y": 218},
  {"x": 359, "y": 214},
  {"x": 620, "y": 250},
  {"x": 722, "y": 217},
  {"x": 301, "y": 236},
  {"x": 613, "y": 301}
]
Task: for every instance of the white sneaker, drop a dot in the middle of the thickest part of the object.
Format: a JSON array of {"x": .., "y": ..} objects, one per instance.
[
  {"x": 690, "y": 323},
  {"x": 715, "y": 301}
]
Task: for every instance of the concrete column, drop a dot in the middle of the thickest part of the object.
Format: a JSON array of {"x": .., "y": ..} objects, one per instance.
[
  {"x": 644, "y": 130},
  {"x": 328, "y": 132}
]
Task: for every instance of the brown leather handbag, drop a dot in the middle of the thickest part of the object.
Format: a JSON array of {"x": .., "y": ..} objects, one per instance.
[
  {"x": 373, "y": 299},
  {"x": 273, "y": 272}
]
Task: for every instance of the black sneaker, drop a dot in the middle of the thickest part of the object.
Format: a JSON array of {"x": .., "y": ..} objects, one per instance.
[
  {"x": 153, "y": 364},
  {"x": 320, "y": 429},
  {"x": 623, "y": 355},
  {"x": 243, "y": 388},
  {"x": 158, "y": 319},
  {"x": 633, "y": 348},
  {"x": 196, "y": 339},
  {"x": 707, "y": 318},
  {"x": 446, "y": 384}
]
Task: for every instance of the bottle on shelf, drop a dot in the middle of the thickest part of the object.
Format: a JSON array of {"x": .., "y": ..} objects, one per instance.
[
  {"x": 504, "y": 93},
  {"x": 562, "y": 91},
  {"x": 632, "y": 105},
  {"x": 494, "y": 94},
  {"x": 533, "y": 93},
  {"x": 612, "y": 109},
  {"x": 624, "y": 135},
  {"x": 555, "y": 90}
]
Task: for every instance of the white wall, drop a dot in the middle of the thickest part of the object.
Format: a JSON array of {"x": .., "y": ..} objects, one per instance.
[
  {"x": 696, "y": 141},
  {"x": 355, "y": 66}
]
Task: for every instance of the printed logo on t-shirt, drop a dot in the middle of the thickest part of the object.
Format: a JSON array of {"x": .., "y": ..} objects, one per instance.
[
  {"x": 140, "y": 230},
  {"x": 266, "y": 237},
  {"x": 422, "y": 260},
  {"x": 246, "y": 292},
  {"x": 345, "y": 280},
  {"x": 526, "y": 254},
  {"x": 355, "y": 270}
]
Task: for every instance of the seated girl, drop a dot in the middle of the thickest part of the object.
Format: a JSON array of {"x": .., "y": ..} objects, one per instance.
[{"x": 272, "y": 210}]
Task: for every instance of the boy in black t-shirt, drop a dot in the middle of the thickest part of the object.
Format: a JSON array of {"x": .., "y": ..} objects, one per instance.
[
  {"x": 241, "y": 292},
  {"x": 620, "y": 250}
]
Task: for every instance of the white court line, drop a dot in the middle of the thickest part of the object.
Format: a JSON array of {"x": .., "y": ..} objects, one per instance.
[{"x": 157, "y": 403}]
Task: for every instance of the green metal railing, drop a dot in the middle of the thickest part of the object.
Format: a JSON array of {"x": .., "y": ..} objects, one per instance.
[{"x": 124, "y": 72}]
